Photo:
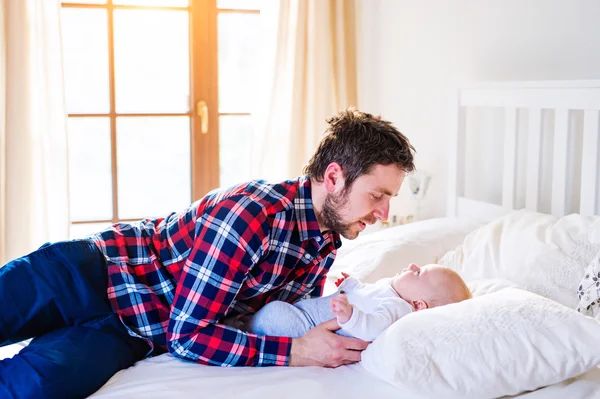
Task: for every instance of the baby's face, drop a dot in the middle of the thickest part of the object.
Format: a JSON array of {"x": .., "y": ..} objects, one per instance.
[{"x": 416, "y": 283}]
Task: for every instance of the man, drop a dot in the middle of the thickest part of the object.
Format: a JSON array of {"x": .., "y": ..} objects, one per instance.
[{"x": 96, "y": 306}]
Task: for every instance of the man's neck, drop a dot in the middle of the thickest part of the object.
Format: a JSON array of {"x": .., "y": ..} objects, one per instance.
[{"x": 318, "y": 195}]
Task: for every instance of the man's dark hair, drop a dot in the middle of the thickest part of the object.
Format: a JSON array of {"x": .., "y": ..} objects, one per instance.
[{"x": 358, "y": 141}]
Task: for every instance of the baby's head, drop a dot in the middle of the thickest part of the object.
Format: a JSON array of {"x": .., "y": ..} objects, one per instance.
[{"x": 430, "y": 286}]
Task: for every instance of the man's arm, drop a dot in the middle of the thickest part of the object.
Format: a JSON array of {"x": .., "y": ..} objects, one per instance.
[{"x": 229, "y": 240}]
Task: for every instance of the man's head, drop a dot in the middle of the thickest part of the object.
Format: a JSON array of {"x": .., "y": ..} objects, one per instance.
[
  {"x": 361, "y": 162},
  {"x": 430, "y": 286}
]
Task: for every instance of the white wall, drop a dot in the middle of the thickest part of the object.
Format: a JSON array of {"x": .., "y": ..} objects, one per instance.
[{"x": 410, "y": 52}]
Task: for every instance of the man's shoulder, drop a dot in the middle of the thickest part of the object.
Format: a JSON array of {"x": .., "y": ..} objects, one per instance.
[{"x": 273, "y": 197}]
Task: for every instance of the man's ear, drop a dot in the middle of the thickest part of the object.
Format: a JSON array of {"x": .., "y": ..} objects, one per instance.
[
  {"x": 333, "y": 177},
  {"x": 420, "y": 305}
]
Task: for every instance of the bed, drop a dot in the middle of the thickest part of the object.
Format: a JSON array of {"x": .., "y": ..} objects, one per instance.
[{"x": 500, "y": 237}]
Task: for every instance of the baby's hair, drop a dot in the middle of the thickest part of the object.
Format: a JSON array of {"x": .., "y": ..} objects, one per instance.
[{"x": 451, "y": 289}]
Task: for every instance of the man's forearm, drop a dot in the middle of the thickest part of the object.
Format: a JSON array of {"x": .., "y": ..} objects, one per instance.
[{"x": 216, "y": 344}]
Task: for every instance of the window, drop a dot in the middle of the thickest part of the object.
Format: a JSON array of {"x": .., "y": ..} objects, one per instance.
[{"x": 159, "y": 96}]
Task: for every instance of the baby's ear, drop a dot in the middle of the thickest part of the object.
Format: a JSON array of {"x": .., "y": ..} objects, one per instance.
[{"x": 420, "y": 305}]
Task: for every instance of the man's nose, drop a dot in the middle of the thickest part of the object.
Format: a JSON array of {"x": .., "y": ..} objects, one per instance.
[{"x": 382, "y": 212}]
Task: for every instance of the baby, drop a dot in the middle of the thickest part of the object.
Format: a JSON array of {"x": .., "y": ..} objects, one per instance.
[{"x": 364, "y": 310}]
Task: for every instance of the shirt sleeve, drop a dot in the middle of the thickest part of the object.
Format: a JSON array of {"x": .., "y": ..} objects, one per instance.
[
  {"x": 368, "y": 326},
  {"x": 231, "y": 238},
  {"x": 349, "y": 284}
]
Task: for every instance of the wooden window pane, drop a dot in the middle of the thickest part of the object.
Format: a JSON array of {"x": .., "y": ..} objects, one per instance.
[
  {"x": 151, "y": 61},
  {"x": 238, "y": 44},
  {"x": 90, "y": 173},
  {"x": 85, "y": 52},
  {"x": 153, "y": 157},
  {"x": 81, "y": 230},
  {"x": 235, "y": 148}
]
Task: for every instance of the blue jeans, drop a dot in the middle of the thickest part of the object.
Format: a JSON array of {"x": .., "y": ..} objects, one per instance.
[{"x": 57, "y": 296}]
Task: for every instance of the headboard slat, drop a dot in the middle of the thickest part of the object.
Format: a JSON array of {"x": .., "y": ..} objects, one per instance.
[
  {"x": 559, "y": 164},
  {"x": 510, "y": 158},
  {"x": 534, "y": 144},
  {"x": 457, "y": 147},
  {"x": 589, "y": 162}
]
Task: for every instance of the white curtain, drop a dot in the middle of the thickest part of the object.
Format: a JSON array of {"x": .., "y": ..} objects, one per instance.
[
  {"x": 309, "y": 73},
  {"x": 33, "y": 138}
]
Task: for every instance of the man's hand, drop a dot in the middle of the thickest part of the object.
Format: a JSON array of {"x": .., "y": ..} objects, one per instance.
[
  {"x": 341, "y": 279},
  {"x": 341, "y": 308},
  {"x": 322, "y": 347}
]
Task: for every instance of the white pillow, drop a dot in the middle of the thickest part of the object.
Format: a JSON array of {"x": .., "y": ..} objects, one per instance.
[
  {"x": 538, "y": 252},
  {"x": 488, "y": 286},
  {"x": 499, "y": 344},
  {"x": 384, "y": 253}
]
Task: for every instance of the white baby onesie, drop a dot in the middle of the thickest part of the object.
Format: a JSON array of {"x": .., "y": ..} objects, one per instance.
[{"x": 374, "y": 307}]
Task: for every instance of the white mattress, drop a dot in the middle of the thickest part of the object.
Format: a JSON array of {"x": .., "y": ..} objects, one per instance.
[{"x": 371, "y": 257}]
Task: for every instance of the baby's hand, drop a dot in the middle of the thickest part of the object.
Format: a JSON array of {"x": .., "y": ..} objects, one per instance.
[{"x": 341, "y": 308}]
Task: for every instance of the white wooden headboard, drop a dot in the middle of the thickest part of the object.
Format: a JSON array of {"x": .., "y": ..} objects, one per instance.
[{"x": 537, "y": 103}]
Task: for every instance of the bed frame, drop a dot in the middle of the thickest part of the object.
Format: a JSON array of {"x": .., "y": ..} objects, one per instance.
[{"x": 542, "y": 106}]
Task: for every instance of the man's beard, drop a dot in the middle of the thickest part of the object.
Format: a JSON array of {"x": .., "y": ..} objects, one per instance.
[{"x": 330, "y": 216}]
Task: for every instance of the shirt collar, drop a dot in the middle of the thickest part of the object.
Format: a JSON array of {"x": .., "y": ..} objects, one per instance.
[{"x": 308, "y": 227}]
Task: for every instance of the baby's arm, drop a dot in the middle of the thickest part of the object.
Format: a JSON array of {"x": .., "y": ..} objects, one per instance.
[
  {"x": 350, "y": 284},
  {"x": 367, "y": 326},
  {"x": 341, "y": 308}
]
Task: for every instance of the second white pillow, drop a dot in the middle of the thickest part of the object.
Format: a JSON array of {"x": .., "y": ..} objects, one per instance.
[
  {"x": 541, "y": 253},
  {"x": 503, "y": 343}
]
